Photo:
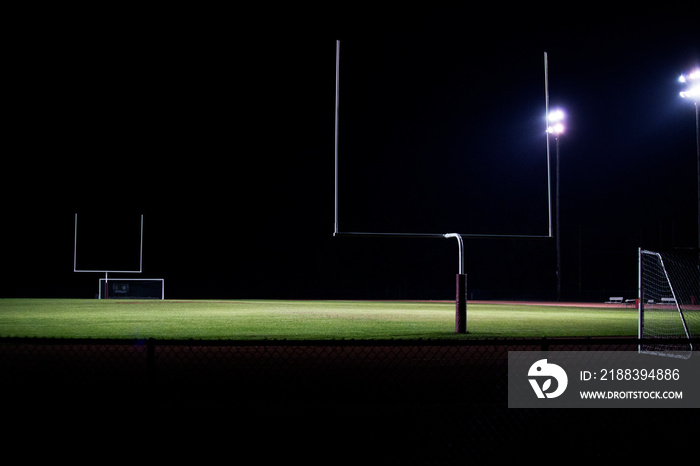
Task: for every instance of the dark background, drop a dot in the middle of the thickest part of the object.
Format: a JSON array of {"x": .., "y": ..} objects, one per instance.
[{"x": 217, "y": 126}]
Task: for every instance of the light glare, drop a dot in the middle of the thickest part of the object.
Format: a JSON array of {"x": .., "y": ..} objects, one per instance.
[
  {"x": 555, "y": 120},
  {"x": 693, "y": 75},
  {"x": 692, "y": 85},
  {"x": 692, "y": 92},
  {"x": 556, "y": 129},
  {"x": 556, "y": 115}
]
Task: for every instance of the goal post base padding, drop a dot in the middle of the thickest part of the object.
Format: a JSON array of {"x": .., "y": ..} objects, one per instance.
[{"x": 461, "y": 304}]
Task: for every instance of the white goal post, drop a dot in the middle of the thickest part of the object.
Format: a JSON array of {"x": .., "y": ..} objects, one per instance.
[
  {"x": 106, "y": 272},
  {"x": 669, "y": 302},
  {"x": 122, "y": 288},
  {"x": 131, "y": 288},
  {"x": 461, "y": 288}
]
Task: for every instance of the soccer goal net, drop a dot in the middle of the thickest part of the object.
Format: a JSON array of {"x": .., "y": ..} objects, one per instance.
[
  {"x": 131, "y": 288},
  {"x": 669, "y": 305}
]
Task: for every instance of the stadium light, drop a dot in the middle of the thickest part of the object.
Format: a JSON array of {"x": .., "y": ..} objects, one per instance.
[
  {"x": 692, "y": 91},
  {"x": 555, "y": 126},
  {"x": 555, "y": 122},
  {"x": 692, "y": 81}
]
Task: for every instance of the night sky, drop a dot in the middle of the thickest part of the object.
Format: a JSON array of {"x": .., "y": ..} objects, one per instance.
[{"x": 218, "y": 127}]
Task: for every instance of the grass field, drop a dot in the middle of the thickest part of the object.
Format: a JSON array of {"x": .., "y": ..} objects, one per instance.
[{"x": 302, "y": 320}]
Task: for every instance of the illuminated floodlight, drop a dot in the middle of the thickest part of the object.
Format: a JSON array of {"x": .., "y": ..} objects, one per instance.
[
  {"x": 692, "y": 80},
  {"x": 692, "y": 92},
  {"x": 556, "y": 129},
  {"x": 693, "y": 75},
  {"x": 555, "y": 120},
  {"x": 556, "y": 116}
]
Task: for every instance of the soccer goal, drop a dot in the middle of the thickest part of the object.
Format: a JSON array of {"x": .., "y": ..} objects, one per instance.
[
  {"x": 669, "y": 302},
  {"x": 131, "y": 288}
]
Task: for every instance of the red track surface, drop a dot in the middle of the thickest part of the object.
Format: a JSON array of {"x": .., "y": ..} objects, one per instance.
[{"x": 541, "y": 303}]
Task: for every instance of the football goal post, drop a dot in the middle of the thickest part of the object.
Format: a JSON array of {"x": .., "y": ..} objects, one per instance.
[
  {"x": 461, "y": 282},
  {"x": 669, "y": 302},
  {"x": 122, "y": 288}
]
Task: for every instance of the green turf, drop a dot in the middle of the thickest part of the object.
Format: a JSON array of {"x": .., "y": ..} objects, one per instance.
[{"x": 298, "y": 320}]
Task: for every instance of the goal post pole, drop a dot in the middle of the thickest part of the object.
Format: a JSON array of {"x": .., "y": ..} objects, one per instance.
[
  {"x": 461, "y": 304},
  {"x": 640, "y": 301},
  {"x": 337, "y": 104},
  {"x": 461, "y": 295}
]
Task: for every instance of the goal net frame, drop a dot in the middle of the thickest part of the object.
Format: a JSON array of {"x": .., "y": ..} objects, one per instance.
[
  {"x": 669, "y": 294},
  {"x": 104, "y": 291}
]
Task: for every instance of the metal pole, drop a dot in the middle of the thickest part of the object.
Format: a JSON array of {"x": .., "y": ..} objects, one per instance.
[
  {"x": 141, "y": 247},
  {"x": 75, "y": 242},
  {"x": 640, "y": 303},
  {"x": 337, "y": 103},
  {"x": 697, "y": 149},
  {"x": 461, "y": 304},
  {"x": 557, "y": 233},
  {"x": 461, "y": 295},
  {"x": 546, "y": 127},
  {"x": 460, "y": 244}
]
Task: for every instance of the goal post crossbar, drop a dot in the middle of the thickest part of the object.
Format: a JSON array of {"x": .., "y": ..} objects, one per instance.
[{"x": 336, "y": 225}]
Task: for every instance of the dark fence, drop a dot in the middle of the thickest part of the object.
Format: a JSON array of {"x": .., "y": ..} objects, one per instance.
[
  {"x": 362, "y": 367},
  {"x": 422, "y": 402}
]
